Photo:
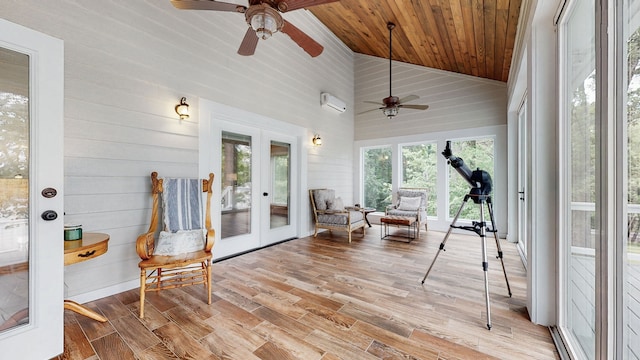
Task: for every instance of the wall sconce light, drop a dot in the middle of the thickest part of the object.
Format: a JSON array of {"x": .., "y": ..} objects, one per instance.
[
  {"x": 317, "y": 140},
  {"x": 182, "y": 109}
]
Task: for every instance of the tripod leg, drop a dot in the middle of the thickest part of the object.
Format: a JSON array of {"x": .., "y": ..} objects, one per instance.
[
  {"x": 444, "y": 241},
  {"x": 485, "y": 265},
  {"x": 495, "y": 235}
]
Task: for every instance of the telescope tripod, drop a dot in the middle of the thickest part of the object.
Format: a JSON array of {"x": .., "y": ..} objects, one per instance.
[{"x": 481, "y": 229}]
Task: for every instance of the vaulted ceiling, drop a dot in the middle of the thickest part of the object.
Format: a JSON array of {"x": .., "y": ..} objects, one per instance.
[{"x": 473, "y": 37}]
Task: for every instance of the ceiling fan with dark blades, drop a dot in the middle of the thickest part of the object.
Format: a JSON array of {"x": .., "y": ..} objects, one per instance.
[
  {"x": 391, "y": 104},
  {"x": 264, "y": 19}
]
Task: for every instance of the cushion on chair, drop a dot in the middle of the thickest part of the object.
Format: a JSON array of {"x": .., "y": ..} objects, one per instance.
[
  {"x": 335, "y": 204},
  {"x": 397, "y": 212},
  {"x": 340, "y": 219},
  {"x": 321, "y": 198},
  {"x": 409, "y": 203},
  {"x": 179, "y": 242},
  {"x": 182, "y": 204}
]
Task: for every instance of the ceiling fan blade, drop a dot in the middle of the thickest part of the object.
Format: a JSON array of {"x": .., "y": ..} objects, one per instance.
[
  {"x": 417, "y": 107},
  {"x": 207, "y": 5},
  {"x": 408, "y": 98},
  {"x": 373, "y": 102},
  {"x": 249, "y": 43},
  {"x": 288, "y": 5},
  {"x": 368, "y": 111},
  {"x": 303, "y": 40}
]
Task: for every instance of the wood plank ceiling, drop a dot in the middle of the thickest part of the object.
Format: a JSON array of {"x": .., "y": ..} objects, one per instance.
[{"x": 473, "y": 37}]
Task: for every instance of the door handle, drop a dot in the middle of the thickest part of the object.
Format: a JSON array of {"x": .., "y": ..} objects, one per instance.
[
  {"x": 521, "y": 195},
  {"x": 265, "y": 194}
]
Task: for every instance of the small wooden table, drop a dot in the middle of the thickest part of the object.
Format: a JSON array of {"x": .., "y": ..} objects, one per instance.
[
  {"x": 90, "y": 246},
  {"x": 364, "y": 210},
  {"x": 409, "y": 222}
]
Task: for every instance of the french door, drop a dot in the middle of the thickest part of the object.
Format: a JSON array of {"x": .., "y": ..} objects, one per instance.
[
  {"x": 600, "y": 127},
  {"x": 522, "y": 181},
  {"x": 31, "y": 192},
  {"x": 258, "y": 180}
]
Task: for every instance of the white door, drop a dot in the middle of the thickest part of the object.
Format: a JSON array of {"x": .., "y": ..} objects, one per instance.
[
  {"x": 279, "y": 186},
  {"x": 256, "y": 164},
  {"x": 239, "y": 174},
  {"x": 522, "y": 181},
  {"x": 31, "y": 200}
]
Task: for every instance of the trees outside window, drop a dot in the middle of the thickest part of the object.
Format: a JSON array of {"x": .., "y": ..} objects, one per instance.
[
  {"x": 477, "y": 154},
  {"x": 419, "y": 171},
  {"x": 377, "y": 177}
]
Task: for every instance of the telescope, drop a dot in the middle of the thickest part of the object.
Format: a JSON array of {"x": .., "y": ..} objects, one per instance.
[
  {"x": 481, "y": 185},
  {"x": 479, "y": 180}
]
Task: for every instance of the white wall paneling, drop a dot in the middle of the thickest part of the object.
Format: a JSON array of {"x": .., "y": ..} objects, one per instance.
[
  {"x": 127, "y": 64},
  {"x": 455, "y": 101}
]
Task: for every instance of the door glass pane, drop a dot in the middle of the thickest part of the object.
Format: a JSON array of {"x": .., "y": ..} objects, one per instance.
[
  {"x": 236, "y": 185},
  {"x": 377, "y": 178},
  {"x": 280, "y": 184},
  {"x": 477, "y": 154},
  {"x": 631, "y": 248},
  {"x": 579, "y": 146},
  {"x": 419, "y": 171},
  {"x": 14, "y": 189}
]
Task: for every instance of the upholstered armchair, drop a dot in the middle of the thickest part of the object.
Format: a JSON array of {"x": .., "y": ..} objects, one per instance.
[
  {"x": 410, "y": 203},
  {"x": 329, "y": 213}
]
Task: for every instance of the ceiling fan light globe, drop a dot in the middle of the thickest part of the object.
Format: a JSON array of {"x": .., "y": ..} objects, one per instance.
[
  {"x": 390, "y": 112},
  {"x": 264, "y": 25}
]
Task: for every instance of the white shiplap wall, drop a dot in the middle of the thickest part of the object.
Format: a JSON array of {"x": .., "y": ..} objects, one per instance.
[
  {"x": 126, "y": 65},
  {"x": 455, "y": 101}
]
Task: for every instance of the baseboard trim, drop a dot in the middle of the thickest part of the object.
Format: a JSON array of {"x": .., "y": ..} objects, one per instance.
[{"x": 104, "y": 292}]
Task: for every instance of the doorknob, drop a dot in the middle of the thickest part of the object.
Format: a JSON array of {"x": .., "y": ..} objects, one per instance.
[
  {"x": 49, "y": 192},
  {"x": 521, "y": 195},
  {"x": 49, "y": 215},
  {"x": 265, "y": 194}
]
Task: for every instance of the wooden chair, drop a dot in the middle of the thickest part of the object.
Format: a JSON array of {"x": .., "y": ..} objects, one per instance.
[
  {"x": 328, "y": 216},
  {"x": 164, "y": 265},
  {"x": 419, "y": 210}
]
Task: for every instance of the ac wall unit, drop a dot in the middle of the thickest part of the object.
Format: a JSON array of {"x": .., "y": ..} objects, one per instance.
[{"x": 329, "y": 101}]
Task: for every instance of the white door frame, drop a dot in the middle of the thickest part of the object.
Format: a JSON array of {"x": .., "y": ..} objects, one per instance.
[
  {"x": 215, "y": 117},
  {"x": 46, "y": 248}
]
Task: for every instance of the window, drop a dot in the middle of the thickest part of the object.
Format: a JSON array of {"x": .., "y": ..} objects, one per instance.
[
  {"x": 419, "y": 171},
  {"x": 477, "y": 154},
  {"x": 629, "y": 249},
  {"x": 377, "y": 177}
]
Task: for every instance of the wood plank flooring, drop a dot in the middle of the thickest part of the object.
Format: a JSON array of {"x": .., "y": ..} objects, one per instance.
[{"x": 327, "y": 299}]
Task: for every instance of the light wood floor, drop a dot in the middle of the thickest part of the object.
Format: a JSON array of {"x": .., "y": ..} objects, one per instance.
[{"x": 326, "y": 299}]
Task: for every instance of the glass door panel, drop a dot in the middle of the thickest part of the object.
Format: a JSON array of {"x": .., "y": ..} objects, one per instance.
[
  {"x": 630, "y": 249},
  {"x": 279, "y": 205},
  {"x": 579, "y": 149},
  {"x": 279, "y": 188},
  {"x": 14, "y": 189},
  {"x": 236, "y": 185}
]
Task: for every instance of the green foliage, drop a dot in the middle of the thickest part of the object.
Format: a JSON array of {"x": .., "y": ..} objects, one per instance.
[
  {"x": 419, "y": 171},
  {"x": 281, "y": 179},
  {"x": 477, "y": 154},
  {"x": 377, "y": 178}
]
